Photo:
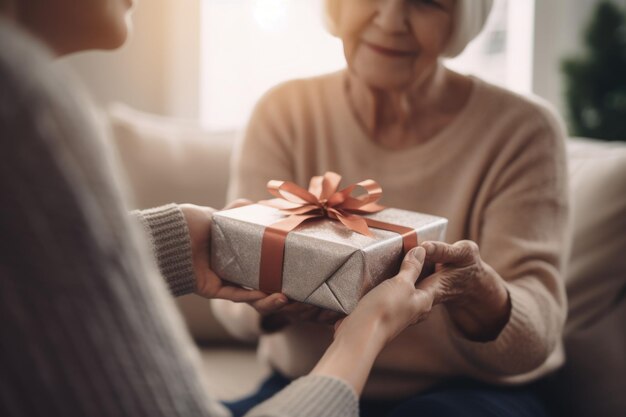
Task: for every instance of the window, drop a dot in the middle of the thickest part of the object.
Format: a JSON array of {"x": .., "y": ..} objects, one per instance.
[
  {"x": 248, "y": 46},
  {"x": 502, "y": 53}
]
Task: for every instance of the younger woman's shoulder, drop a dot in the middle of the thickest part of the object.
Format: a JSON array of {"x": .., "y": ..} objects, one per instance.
[{"x": 23, "y": 62}]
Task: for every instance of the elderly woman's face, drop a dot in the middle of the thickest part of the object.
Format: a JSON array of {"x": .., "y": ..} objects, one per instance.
[
  {"x": 74, "y": 25},
  {"x": 391, "y": 44}
]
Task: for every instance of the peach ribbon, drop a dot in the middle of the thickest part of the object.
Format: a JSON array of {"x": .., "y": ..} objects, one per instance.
[{"x": 321, "y": 200}]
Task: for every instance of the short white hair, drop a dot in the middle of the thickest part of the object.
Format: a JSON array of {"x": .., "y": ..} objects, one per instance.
[{"x": 469, "y": 19}]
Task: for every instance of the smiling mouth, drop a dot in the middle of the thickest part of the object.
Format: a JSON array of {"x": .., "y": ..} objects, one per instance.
[{"x": 393, "y": 53}]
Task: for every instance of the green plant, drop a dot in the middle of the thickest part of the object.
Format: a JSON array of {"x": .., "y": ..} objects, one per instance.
[{"x": 595, "y": 83}]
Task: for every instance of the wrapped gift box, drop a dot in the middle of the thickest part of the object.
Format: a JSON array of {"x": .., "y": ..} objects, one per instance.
[{"x": 325, "y": 263}]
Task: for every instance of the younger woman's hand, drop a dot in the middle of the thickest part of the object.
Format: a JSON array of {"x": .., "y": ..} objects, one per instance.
[
  {"x": 379, "y": 316},
  {"x": 277, "y": 312},
  {"x": 208, "y": 284},
  {"x": 391, "y": 306}
]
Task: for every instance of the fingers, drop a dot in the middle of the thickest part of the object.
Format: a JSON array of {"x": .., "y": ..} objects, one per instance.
[
  {"x": 270, "y": 304},
  {"x": 239, "y": 295},
  {"x": 196, "y": 213},
  {"x": 462, "y": 252},
  {"x": 294, "y": 311},
  {"x": 432, "y": 287},
  {"x": 412, "y": 265},
  {"x": 240, "y": 202},
  {"x": 423, "y": 303},
  {"x": 298, "y": 312},
  {"x": 449, "y": 284}
]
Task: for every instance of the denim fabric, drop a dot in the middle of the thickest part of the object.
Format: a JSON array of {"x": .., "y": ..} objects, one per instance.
[{"x": 462, "y": 398}]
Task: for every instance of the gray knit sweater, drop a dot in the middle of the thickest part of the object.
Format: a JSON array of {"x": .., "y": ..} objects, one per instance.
[{"x": 87, "y": 326}]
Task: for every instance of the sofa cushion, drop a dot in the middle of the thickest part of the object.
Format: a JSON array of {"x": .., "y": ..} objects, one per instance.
[
  {"x": 596, "y": 273},
  {"x": 595, "y": 332},
  {"x": 168, "y": 160}
]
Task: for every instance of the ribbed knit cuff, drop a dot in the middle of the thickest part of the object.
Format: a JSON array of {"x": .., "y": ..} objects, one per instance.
[
  {"x": 168, "y": 233},
  {"x": 523, "y": 344},
  {"x": 311, "y": 396}
]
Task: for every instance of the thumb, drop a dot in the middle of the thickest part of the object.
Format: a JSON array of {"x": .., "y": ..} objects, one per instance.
[
  {"x": 412, "y": 265},
  {"x": 435, "y": 286}
]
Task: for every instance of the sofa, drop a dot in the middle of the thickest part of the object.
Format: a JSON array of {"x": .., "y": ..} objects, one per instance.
[{"x": 168, "y": 160}]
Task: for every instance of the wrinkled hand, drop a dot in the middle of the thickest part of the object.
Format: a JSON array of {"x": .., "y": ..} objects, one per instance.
[
  {"x": 473, "y": 293},
  {"x": 209, "y": 285},
  {"x": 393, "y": 305}
]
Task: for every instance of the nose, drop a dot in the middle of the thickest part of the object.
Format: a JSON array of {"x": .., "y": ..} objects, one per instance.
[{"x": 392, "y": 16}]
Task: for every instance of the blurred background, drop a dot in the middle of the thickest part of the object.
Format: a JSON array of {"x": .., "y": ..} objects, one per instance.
[{"x": 210, "y": 60}]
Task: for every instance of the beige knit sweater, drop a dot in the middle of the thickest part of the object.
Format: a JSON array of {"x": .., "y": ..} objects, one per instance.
[{"x": 497, "y": 172}]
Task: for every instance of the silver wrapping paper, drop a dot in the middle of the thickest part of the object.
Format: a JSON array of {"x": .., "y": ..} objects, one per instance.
[{"x": 325, "y": 263}]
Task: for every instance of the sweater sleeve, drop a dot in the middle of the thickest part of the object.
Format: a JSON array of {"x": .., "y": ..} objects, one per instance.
[
  {"x": 523, "y": 234},
  {"x": 311, "y": 396},
  {"x": 167, "y": 233}
]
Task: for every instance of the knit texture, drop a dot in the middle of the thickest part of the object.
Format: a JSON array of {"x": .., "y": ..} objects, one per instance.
[
  {"x": 497, "y": 172},
  {"x": 86, "y": 323},
  {"x": 168, "y": 234},
  {"x": 302, "y": 398}
]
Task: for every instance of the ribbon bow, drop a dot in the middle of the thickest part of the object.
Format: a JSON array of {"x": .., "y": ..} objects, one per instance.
[{"x": 321, "y": 200}]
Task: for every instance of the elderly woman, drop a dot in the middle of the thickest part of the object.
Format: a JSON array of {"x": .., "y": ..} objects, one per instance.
[
  {"x": 87, "y": 329},
  {"x": 438, "y": 142}
]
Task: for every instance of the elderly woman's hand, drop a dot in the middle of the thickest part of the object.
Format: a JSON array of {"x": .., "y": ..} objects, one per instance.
[{"x": 473, "y": 292}]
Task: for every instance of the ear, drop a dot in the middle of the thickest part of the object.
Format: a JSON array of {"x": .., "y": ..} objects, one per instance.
[{"x": 331, "y": 13}]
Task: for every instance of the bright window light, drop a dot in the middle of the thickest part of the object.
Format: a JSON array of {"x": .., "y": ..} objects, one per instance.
[
  {"x": 249, "y": 46},
  {"x": 502, "y": 54}
]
